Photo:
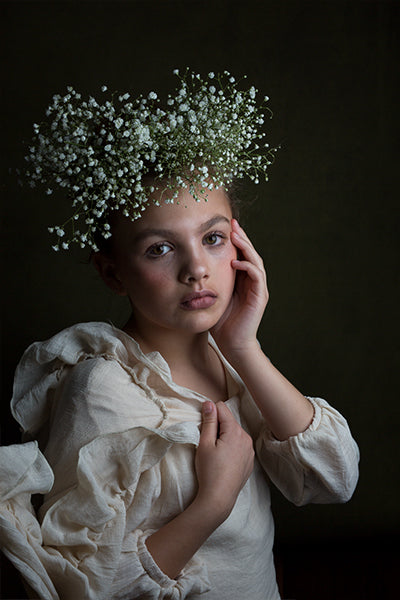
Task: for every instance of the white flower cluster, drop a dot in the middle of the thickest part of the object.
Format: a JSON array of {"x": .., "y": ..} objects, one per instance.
[{"x": 114, "y": 155}]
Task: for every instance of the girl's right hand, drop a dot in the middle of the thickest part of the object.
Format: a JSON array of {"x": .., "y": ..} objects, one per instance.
[
  {"x": 224, "y": 461},
  {"x": 224, "y": 458}
]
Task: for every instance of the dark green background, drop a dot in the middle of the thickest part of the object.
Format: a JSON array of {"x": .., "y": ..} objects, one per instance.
[{"x": 326, "y": 222}]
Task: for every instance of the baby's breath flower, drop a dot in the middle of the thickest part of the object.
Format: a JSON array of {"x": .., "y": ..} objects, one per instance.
[{"x": 206, "y": 135}]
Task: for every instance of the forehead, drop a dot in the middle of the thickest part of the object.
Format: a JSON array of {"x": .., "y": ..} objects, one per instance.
[{"x": 184, "y": 214}]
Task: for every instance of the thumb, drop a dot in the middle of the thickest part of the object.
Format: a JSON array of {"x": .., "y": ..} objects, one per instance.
[
  {"x": 209, "y": 425},
  {"x": 225, "y": 418}
]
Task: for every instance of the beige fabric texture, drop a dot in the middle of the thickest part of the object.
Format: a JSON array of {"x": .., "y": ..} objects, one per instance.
[{"x": 110, "y": 441}]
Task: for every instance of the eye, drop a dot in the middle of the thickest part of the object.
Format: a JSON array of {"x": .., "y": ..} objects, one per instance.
[
  {"x": 214, "y": 239},
  {"x": 158, "y": 250}
]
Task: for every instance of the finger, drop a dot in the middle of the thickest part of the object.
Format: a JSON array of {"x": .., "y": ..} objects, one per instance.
[
  {"x": 225, "y": 418},
  {"x": 209, "y": 424},
  {"x": 254, "y": 272},
  {"x": 247, "y": 250},
  {"x": 251, "y": 284},
  {"x": 239, "y": 229},
  {"x": 243, "y": 243}
]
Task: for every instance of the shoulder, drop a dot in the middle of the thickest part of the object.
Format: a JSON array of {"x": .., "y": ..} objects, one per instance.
[
  {"x": 107, "y": 388},
  {"x": 80, "y": 365},
  {"x": 98, "y": 373},
  {"x": 98, "y": 396}
]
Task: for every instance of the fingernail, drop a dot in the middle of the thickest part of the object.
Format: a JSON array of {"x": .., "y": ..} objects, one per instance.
[{"x": 207, "y": 407}]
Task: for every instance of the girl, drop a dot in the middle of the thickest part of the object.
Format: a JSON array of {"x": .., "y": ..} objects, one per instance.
[{"x": 157, "y": 440}]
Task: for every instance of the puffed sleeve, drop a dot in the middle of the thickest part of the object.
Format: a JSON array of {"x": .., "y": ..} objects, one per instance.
[
  {"x": 81, "y": 549},
  {"x": 24, "y": 471},
  {"x": 319, "y": 465},
  {"x": 102, "y": 434}
]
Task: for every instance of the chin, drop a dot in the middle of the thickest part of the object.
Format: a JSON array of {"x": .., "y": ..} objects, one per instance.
[{"x": 203, "y": 325}]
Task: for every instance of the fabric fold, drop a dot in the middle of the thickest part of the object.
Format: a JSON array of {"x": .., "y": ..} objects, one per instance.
[
  {"x": 23, "y": 470},
  {"x": 33, "y": 390},
  {"x": 313, "y": 467},
  {"x": 118, "y": 436},
  {"x": 81, "y": 537}
]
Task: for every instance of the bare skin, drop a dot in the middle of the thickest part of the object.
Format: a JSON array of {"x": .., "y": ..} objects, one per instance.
[
  {"x": 189, "y": 257},
  {"x": 284, "y": 408}
]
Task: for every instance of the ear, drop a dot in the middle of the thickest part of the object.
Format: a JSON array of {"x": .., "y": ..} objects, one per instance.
[{"x": 107, "y": 270}]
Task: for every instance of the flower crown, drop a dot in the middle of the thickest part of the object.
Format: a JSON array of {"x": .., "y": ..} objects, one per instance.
[{"x": 115, "y": 155}]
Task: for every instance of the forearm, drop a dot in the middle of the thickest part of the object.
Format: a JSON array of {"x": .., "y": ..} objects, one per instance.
[
  {"x": 286, "y": 411},
  {"x": 174, "y": 544},
  {"x": 224, "y": 461}
]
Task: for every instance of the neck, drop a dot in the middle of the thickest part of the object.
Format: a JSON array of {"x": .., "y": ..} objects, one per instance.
[
  {"x": 192, "y": 361},
  {"x": 176, "y": 347}
]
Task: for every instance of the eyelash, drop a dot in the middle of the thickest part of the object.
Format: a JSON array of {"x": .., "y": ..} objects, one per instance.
[
  {"x": 217, "y": 234},
  {"x": 150, "y": 251}
]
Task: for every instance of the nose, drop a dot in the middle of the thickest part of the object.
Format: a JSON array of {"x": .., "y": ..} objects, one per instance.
[{"x": 194, "y": 266}]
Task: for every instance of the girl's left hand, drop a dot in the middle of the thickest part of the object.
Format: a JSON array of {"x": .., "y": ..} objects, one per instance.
[{"x": 238, "y": 326}]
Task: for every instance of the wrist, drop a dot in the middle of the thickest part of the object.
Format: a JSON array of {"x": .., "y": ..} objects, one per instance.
[
  {"x": 213, "y": 509},
  {"x": 244, "y": 353}
]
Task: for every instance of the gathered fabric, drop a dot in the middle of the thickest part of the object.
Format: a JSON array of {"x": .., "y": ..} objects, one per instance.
[{"x": 110, "y": 441}]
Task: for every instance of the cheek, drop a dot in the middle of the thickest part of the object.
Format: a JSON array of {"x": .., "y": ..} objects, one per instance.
[
  {"x": 150, "y": 279},
  {"x": 233, "y": 256},
  {"x": 228, "y": 273},
  {"x": 234, "y": 252},
  {"x": 230, "y": 254}
]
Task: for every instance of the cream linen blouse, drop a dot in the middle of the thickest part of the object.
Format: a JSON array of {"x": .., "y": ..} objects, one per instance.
[{"x": 117, "y": 441}]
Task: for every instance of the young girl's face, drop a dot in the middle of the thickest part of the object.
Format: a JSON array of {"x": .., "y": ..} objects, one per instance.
[{"x": 174, "y": 263}]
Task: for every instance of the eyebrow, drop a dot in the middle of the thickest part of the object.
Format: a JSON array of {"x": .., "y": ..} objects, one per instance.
[
  {"x": 169, "y": 232},
  {"x": 213, "y": 221}
]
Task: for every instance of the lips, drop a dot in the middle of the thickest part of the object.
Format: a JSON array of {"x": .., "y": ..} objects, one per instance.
[{"x": 199, "y": 300}]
